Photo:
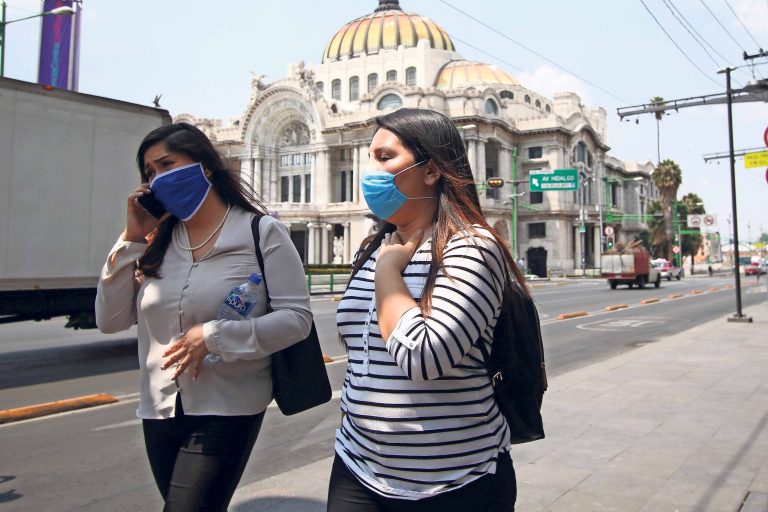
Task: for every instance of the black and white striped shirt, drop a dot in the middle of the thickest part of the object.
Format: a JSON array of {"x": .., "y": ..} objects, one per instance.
[{"x": 419, "y": 413}]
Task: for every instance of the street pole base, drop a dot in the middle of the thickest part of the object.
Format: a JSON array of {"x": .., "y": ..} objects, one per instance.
[{"x": 742, "y": 318}]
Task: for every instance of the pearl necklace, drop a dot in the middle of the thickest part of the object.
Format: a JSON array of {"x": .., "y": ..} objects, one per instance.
[{"x": 198, "y": 246}]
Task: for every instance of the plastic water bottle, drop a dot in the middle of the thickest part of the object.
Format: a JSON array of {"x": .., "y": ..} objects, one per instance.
[{"x": 238, "y": 305}]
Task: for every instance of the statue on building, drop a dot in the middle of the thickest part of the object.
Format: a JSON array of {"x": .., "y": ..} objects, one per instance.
[
  {"x": 306, "y": 77},
  {"x": 338, "y": 249},
  {"x": 295, "y": 134},
  {"x": 257, "y": 82}
]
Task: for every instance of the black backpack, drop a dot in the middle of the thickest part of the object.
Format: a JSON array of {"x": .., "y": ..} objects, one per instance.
[{"x": 516, "y": 365}]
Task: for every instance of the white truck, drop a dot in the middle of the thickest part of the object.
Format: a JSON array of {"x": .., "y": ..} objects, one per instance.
[{"x": 67, "y": 164}]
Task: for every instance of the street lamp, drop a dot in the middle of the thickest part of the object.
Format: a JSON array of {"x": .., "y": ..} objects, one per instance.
[{"x": 59, "y": 11}]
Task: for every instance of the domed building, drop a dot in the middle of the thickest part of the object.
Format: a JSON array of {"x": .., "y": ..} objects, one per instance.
[{"x": 302, "y": 142}]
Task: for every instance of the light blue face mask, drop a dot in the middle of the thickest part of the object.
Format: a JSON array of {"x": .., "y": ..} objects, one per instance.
[
  {"x": 182, "y": 190},
  {"x": 381, "y": 192}
]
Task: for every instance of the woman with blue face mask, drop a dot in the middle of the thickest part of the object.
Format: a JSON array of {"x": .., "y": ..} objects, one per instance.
[
  {"x": 201, "y": 415},
  {"x": 420, "y": 427}
]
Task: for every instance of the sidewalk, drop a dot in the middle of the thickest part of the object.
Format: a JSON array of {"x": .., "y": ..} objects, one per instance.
[{"x": 677, "y": 425}]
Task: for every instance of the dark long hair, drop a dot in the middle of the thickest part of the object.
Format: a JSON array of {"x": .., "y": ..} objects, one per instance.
[
  {"x": 430, "y": 135},
  {"x": 188, "y": 140}
]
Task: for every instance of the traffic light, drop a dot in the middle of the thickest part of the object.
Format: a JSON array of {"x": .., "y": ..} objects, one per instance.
[
  {"x": 609, "y": 242},
  {"x": 495, "y": 182}
]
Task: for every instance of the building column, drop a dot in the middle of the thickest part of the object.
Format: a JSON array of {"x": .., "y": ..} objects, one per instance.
[
  {"x": 258, "y": 185},
  {"x": 311, "y": 233},
  {"x": 273, "y": 163},
  {"x": 472, "y": 155},
  {"x": 246, "y": 171},
  {"x": 324, "y": 242},
  {"x": 322, "y": 178},
  {"x": 356, "y": 157},
  {"x": 347, "y": 242},
  {"x": 480, "y": 165}
]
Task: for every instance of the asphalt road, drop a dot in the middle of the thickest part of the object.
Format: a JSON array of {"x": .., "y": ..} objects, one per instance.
[{"x": 94, "y": 459}]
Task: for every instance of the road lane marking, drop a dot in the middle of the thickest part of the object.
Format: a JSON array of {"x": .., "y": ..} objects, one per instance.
[{"x": 620, "y": 324}]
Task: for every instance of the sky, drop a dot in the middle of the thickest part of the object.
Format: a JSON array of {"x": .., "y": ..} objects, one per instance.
[{"x": 613, "y": 53}]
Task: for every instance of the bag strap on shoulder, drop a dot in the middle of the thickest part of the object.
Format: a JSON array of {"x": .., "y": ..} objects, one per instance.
[{"x": 257, "y": 243}]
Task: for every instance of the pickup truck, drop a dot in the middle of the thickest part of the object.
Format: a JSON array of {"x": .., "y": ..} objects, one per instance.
[{"x": 630, "y": 268}]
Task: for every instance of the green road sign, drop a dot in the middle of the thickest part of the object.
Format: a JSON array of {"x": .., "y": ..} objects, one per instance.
[{"x": 554, "y": 179}]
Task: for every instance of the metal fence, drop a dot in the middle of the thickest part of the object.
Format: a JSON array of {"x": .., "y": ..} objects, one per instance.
[{"x": 319, "y": 284}]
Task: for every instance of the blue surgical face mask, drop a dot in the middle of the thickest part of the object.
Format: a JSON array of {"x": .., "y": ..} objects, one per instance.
[
  {"x": 381, "y": 192},
  {"x": 182, "y": 190}
]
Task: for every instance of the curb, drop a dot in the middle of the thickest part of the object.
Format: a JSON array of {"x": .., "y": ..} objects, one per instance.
[
  {"x": 695, "y": 292},
  {"x": 70, "y": 404},
  {"x": 614, "y": 307},
  {"x": 652, "y": 300},
  {"x": 675, "y": 295},
  {"x": 575, "y": 314}
]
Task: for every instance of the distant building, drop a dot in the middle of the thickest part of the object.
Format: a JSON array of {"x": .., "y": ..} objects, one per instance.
[{"x": 303, "y": 142}]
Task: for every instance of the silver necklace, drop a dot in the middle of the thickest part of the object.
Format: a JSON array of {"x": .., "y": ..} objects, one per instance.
[{"x": 196, "y": 247}]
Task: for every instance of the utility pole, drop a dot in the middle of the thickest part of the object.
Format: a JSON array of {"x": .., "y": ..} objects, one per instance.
[{"x": 739, "y": 316}]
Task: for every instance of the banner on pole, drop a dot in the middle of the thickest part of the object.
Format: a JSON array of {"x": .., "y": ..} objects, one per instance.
[{"x": 59, "y": 47}]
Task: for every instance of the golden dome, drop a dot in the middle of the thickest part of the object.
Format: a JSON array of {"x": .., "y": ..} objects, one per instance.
[
  {"x": 458, "y": 73},
  {"x": 386, "y": 28}
]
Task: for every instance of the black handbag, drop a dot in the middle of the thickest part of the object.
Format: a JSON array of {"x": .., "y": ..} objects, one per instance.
[
  {"x": 299, "y": 378},
  {"x": 516, "y": 365}
]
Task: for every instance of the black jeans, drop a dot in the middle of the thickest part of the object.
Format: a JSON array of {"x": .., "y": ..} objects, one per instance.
[
  {"x": 489, "y": 493},
  {"x": 197, "y": 461}
]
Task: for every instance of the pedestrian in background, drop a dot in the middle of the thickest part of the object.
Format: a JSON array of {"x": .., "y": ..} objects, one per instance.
[
  {"x": 200, "y": 415},
  {"x": 420, "y": 426}
]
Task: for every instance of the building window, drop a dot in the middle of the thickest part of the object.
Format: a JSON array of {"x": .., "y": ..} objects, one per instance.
[
  {"x": 535, "y": 152},
  {"x": 373, "y": 81},
  {"x": 538, "y": 104},
  {"x": 345, "y": 179},
  {"x": 354, "y": 88},
  {"x": 548, "y": 109},
  {"x": 390, "y": 101},
  {"x": 507, "y": 95},
  {"x": 391, "y": 75},
  {"x": 284, "y": 188},
  {"x": 297, "y": 159},
  {"x": 297, "y": 188},
  {"x": 320, "y": 86},
  {"x": 307, "y": 188},
  {"x": 614, "y": 194},
  {"x": 343, "y": 154},
  {"x": 307, "y": 158},
  {"x": 285, "y": 160},
  {"x": 536, "y": 197},
  {"x": 580, "y": 152},
  {"x": 537, "y": 230},
  {"x": 336, "y": 89},
  {"x": 491, "y": 107},
  {"x": 410, "y": 77},
  {"x": 527, "y": 99}
]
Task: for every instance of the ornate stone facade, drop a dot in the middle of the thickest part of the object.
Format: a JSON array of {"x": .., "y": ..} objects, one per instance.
[{"x": 302, "y": 142}]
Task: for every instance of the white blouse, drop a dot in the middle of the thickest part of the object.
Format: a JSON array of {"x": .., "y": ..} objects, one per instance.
[
  {"x": 420, "y": 417},
  {"x": 190, "y": 293}
]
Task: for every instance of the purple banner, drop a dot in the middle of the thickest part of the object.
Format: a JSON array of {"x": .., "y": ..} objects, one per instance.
[{"x": 59, "y": 46}]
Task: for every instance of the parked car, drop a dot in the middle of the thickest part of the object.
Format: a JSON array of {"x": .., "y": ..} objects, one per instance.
[
  {"x": 754, "y": 269},
  {"x": 667, "y": 269}
]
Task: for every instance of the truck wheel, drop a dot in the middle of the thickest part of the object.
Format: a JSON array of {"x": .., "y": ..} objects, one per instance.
[
  {"x": 641, "y": 282},
  {"x": 613, "y": 284},
  {"x": 658, "y": 282},
  {"x": 631, "y": 285}
]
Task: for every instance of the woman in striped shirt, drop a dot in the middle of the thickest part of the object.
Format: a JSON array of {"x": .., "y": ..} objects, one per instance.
[{"x": 421, "y": 429}]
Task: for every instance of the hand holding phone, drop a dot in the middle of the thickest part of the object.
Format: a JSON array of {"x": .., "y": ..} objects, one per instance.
[{"x": 151, "y": 205}]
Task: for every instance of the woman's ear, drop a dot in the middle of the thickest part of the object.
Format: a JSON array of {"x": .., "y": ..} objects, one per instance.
[{"x": 431, "y": 174}]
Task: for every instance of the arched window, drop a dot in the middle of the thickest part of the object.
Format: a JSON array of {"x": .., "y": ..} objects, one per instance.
[
  {"x": 491, "y": 107},
  {"x": 548, "y": 109},
  {"x": 538, "y": 104},
  {"x": 391, "y": 75},
  {"x": 390, "y": 101},
  {"x": 507, "y": 95},
  {"x": 354, "y": 88},
  {"x": 410, "y": 77},
  {"x": 336, "y": 89},
  {"x": 373, "y": 81},
  {"x": 320, "y": 86},
  {"x": 527, "y": 99}
]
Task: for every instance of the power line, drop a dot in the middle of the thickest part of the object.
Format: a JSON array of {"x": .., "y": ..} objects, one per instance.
[
  {"x": 676, "y": 45},
  {"x": 725, "y": 59},
  {"x": 742, "y": 24},
  {"x": 721, "y": 25},
  {"x": 521, "y": 45}
]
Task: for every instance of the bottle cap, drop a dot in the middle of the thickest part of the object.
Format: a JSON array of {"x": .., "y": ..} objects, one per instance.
[{"x": 254, "y": 278}]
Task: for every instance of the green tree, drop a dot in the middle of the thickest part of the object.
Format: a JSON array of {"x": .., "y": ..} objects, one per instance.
[
  {"x": 658, "y": 100},
  {"x": 667, "y": 177},
  {"x": 690, "y": 204}
]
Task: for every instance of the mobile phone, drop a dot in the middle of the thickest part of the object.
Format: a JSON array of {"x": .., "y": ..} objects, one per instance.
[{"x": 151, "y": 205}]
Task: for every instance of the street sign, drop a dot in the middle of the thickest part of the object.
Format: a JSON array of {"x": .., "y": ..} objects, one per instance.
[
  {"x": 676, "y": 249},
  {"x": 710, "y": 220},
  {"x": 554, "y": 179},
  {"x": 608, "y": 230},
  {"x": 694, "y": 221},
  {"x": 759, "y": 159}
]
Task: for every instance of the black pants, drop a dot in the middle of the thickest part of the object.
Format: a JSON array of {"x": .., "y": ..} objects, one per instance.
[
  {"x": 197, "y": 461},
  {"x": 490, "y": 493}
]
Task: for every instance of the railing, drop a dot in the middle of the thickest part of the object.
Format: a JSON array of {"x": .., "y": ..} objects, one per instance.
[{"x": 319, "y": 284}]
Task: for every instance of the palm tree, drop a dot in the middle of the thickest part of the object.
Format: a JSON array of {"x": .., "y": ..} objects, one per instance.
[
  {"x": 658, "y": 100},
  {"x": 667, "y": 177}
]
